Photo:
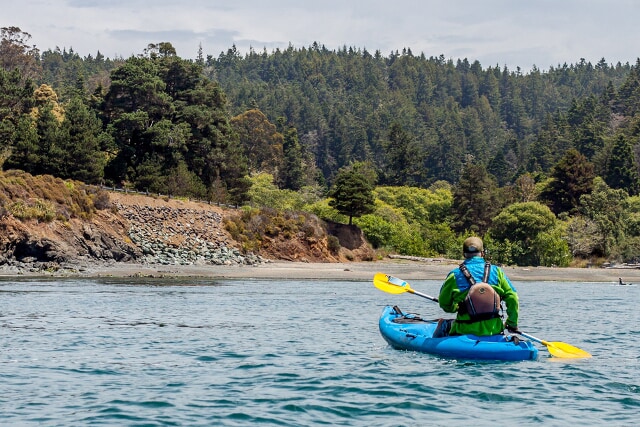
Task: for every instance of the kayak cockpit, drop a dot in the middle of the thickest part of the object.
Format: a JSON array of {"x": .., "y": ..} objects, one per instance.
[{"x": 408, "y": 331}]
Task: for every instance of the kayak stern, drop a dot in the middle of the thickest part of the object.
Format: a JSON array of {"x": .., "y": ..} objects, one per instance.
[{"x": 410, "y": 332}]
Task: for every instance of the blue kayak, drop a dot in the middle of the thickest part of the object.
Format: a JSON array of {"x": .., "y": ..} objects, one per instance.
[{"x": 410, "y": 332}]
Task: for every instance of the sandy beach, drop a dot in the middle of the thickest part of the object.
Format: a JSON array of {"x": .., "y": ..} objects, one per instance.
[{"x": 357, "y": 271}]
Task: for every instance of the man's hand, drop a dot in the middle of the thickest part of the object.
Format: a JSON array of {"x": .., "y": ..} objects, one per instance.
[{"x": 513, "y": 329}]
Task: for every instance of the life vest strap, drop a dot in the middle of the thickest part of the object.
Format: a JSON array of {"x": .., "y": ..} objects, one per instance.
[
  {"x": 485, "y": 277},
  {"x": 480, "y": 317},
  {"x": 468, "y": 306}
]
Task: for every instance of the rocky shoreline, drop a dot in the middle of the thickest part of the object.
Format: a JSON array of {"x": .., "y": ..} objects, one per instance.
[
  {"x": 159, "y": 232},
  {"x": 149, "y": 237},
  {"x": 182, "y": 236},
  {"x": 344, "y": 271},
  {"x": 134, "y": 230}
]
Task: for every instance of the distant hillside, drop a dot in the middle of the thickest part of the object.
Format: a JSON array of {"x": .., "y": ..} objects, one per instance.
[{"x": 418, "y": 118}]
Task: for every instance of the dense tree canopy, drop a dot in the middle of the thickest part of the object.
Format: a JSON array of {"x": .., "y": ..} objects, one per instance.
[
  {"x": 527, "y": 234},
  {"x": 622, "y": 171},
  {"x": 167, "y": 118},
  {"x": 260, "y": 141},
  {"x": 426, "y": 114},
  {"x": 606, "y": 207},
  {"x": 571, "y": 177},
  {"x": 17, "y": 54},
  {"x": 466, "y": 142}
]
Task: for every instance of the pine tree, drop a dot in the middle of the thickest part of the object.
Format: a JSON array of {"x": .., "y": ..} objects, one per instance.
[
  {"x": 49, "y": 142},
  {"x": 571, "y": 177},
  {"x": 291, "y": 175},
  {"x": 397, "y": 155},
  {"x": 352, "y": 193},
  {"x": 80, "y": 137},
  {"x": 475, "y": 200},
  {"x": 261, "y": 143},
  {"x": 499, "y": 168},
  {"x": 621, "y": 168}
]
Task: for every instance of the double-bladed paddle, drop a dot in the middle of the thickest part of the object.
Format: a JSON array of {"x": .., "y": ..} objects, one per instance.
[
  {"x": 559, "y": 348},
  {"x": 393, "y": 285}
]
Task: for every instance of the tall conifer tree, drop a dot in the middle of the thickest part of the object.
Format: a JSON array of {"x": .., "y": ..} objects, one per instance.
[
  {"x": 621, "y": 168},
  {"x": 571, "y": 177},
  {"x": 291, "y": 175}
]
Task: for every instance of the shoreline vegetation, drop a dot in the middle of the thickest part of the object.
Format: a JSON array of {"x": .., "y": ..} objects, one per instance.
[
  {"x": 409, "y": 270},
  {"x": 103, "y": 245}
]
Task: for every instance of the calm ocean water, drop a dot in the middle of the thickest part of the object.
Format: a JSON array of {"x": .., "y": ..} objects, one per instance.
[{"x": 184, "y": 352}]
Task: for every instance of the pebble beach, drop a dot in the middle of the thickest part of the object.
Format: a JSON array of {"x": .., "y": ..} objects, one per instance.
[{"x": 355, "y": 271}]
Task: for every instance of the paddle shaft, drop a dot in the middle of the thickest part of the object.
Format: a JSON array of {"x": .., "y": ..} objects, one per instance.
[
  {"x": 394, "y": 285},
  {"x": 532, "y": 338},
  {"x": 420, "y": 294}
]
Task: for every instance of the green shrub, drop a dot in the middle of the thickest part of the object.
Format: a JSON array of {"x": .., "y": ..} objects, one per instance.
[
  {"x": 333, "y": 243},
  {"x": 40, "y": 210}
]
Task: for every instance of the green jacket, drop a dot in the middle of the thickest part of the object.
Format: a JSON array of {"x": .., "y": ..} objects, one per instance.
[{"x": 455, "y": 289}]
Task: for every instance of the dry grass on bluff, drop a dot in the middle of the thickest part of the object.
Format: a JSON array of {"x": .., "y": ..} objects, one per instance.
[
  {"x": 45, "y": 198},
  {"x": 36, "y": 209}
]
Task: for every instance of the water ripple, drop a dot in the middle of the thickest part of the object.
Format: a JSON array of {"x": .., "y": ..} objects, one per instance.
[{"x": 98, "y": 353}]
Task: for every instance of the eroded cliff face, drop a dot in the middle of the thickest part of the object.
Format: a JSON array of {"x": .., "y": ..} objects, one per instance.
[
  {"x": 143, "y": 229},
  {"x": 103, "y": 237}
]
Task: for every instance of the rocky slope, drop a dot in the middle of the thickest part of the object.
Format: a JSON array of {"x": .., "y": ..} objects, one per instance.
[{"x": 151, "y": 230}]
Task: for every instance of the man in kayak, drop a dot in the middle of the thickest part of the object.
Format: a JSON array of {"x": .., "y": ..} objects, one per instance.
[{"x": 475, "y": 291}]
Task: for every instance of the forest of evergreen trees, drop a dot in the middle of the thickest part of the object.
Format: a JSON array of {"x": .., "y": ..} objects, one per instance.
[{"x": 543, "y": 165}]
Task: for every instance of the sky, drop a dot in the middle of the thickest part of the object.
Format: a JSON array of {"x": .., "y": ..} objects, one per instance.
[{"x": 511, "y": 33}]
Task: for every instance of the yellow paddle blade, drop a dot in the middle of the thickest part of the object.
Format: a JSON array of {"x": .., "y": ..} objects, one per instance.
[
  {"x": 566, "y": 351},
  {"x": 390, "y": 284},
  {"x": 393, "y": 285},
  {"x": 560, "y": 349}
]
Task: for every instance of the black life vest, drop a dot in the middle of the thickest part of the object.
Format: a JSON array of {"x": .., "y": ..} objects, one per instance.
[{"x": 482, "y": 301}]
